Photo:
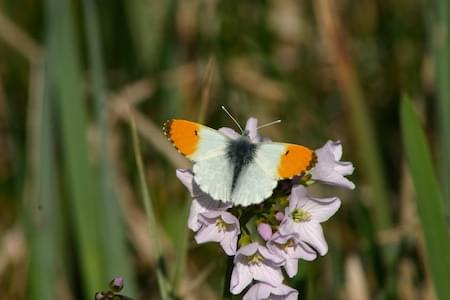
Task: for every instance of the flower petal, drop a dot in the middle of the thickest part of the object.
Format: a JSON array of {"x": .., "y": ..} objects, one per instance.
[
  {"x": 186, "y": 177},
  {"x": 258, "y": 291},
  {"x": 321, "y": 209},
  {"x": 229, "y": 243},
  {"x": 298, "y": 193},
  {"x": 195, "y": 209},
  {"x": 247, "y": 250},
  {"x": 268, "y": 274},
  {"x": 329, "y": 169},
  {"x": 251, "y": 127},
  {"x": 304, "y": 252},
  {"x": 291, "y": 267},
  {"x": 229, "y": 133},
  {"x": 312, "y": 233},
  {"x": 285, "y": 291},
  {"x": 275, "y": 260},
  {"x": 209, "y": 233},
  {"x": 240, "y": 278}
]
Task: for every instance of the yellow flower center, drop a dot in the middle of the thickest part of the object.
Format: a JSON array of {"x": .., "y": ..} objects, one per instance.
[
  {"x": 255, "y": 259},
  {"x": 299, "y": 215},
  {"x": 221, "y": 224},
  {"x": 284, "y": 247}
]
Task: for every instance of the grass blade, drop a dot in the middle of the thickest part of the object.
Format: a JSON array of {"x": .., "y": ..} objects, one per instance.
[
  {"x": 65, "y": 72},
  {"x": 428, "y": 198},
  {"x": 163, "y": 284},
  {"x": 441, "y": 45},
  {"x": 40, "y": 208},
  {"x": 117, "y": 260}
]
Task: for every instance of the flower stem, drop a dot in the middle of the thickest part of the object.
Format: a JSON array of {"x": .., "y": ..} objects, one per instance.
[{"x": 226, "y": 284}]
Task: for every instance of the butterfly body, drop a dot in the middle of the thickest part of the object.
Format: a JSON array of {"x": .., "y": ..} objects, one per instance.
[
  {"x": 240, "y": 153},
  {"x": 239, "y": 170}
]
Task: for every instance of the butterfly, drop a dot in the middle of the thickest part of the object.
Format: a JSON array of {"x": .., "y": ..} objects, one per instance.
[{"x": 236, "y": 171}]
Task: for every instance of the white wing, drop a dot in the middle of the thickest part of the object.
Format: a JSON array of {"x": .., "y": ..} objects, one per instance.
[
  {"x": 212, "y": 143},
  {"x": 214, "y": 175},
  {"x": 258, "y": 179}
]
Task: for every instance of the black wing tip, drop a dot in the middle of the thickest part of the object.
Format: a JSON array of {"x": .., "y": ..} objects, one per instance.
[
  {"x": 312, "y": 162},
  {"x": 166, "y": 128}
]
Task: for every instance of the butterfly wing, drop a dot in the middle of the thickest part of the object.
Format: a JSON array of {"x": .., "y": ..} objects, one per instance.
[
  {"x": 194, "y": 140},
  {"x": 272, "y": 162},
  {"x": 214, "y": 175},
  {"x": 207, "y": 148}
]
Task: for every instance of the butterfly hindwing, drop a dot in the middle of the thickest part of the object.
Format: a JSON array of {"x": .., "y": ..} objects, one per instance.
[{"x": 214, "y": 175}]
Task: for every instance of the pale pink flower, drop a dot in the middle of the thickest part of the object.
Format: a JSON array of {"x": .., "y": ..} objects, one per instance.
[
  {"x": 261, "y": 290},
  {"x": 329, "y": 169},
  {"x": 201, "y": 202},
  {"x": 251, "y": 128},
  {"x": 219, "y": 226},
  {"x": 304, "y": 215},
  {"x": 254, "y": 261},
  {"x": 288, "y": 247}
]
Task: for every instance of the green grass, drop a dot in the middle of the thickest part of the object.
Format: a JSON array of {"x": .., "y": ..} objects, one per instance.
[{"x": 428, "y": 198}]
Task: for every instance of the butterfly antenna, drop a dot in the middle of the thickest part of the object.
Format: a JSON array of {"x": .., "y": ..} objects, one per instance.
[
  {"x": 232, "y": 118},
  {"x": 268, "y": 124}
]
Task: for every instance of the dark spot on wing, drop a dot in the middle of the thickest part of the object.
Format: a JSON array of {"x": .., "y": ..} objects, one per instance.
[{"x": 240, "y": 152}]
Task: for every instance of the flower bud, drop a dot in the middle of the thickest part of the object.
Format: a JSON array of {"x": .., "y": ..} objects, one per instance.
[
  {"x": 279, "y": 216},
  {"x": 265, "y": 231},
  {"x": 116, "y": 285}
]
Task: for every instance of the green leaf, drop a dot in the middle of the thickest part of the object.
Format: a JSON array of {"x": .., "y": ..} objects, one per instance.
[{"x": 428, "y": 198}]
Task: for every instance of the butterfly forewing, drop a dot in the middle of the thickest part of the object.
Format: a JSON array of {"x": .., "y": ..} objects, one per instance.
[
  {"x": 194, "y": 140},
  {"x": 293, "y": 160}
]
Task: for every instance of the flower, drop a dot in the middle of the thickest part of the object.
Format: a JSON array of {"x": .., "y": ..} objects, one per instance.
[
  {"x": 201, "y": 202},
  {"x": 289, "y": 248},
  {"x": 219, "y": 226},
  {"x": 265, "y": 231},
  {"x": 251, "y": 128},
  {"x": 304, "y": 215},
  {"x": 263, "y": 290},
  {"x": 254, "y": 261},
  {"x": 329, "y": 169}
]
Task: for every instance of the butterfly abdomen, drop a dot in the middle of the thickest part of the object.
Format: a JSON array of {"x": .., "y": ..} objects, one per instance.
[{"x": 240, "y": 153}]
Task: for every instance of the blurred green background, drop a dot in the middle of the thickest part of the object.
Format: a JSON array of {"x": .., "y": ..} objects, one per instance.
[{"x": 71, "y": 209}]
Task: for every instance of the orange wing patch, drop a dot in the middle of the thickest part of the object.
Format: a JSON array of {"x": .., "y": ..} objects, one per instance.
[
  {"x": 183, "y": 134},
  {"x": 296, "y": 161}
]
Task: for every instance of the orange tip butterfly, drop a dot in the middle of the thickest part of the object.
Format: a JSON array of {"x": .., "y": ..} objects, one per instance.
[{"x": 237, "y": 171}]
